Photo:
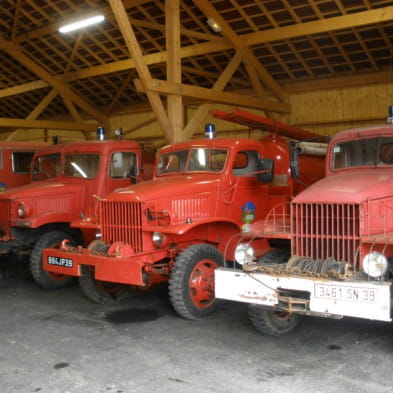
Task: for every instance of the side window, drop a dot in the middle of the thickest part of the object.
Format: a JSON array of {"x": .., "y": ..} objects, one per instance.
[
  {"x": 386, "y": 153},
  {"x": 46, "y": 167},
  {"x": 246, "y": 162},
  {"x": 21, "y": 161},
  {"x": 123, "y": 165}
]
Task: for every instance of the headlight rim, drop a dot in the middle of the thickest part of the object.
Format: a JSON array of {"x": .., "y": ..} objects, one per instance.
[
  {"x": 246, "y": 250},
  {"x": 375, "y": 273}
]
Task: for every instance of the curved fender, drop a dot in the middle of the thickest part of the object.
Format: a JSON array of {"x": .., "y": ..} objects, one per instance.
[{"x": 183, "y": 228}]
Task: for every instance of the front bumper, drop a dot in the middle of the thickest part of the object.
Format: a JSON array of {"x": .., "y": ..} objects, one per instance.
[
  {"x": 310, "y": 296},
  {"x": 122, "y": 270}
]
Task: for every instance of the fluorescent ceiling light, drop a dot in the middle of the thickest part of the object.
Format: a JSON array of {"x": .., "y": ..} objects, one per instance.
[{"x": 82, "y": 23}]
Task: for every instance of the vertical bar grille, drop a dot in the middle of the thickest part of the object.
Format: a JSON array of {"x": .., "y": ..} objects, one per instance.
[
  {"x": 122, "y": 222},
  {"x": 321, "y": 230},
  {"x": 5, "y": 217}
]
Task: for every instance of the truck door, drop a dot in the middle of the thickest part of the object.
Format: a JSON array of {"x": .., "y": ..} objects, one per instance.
[
  {"x": 244, "y": 188},
  {"x": 123, "y": 170}
]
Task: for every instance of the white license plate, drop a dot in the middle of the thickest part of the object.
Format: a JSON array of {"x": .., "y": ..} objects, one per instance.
[{"x": 345, "y": 293}]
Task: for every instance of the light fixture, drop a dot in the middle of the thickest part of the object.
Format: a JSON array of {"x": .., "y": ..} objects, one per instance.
[
  {"x": 81, "y": 23},
  {"x": 214, "y": 25}
]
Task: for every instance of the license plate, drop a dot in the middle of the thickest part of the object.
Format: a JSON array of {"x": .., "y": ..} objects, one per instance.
[
  {"x": 57, "y": 261},
  {"x": 345, "y": 293}
]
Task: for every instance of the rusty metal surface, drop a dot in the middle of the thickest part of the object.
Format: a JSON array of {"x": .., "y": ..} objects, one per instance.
[{"x": 305, "y": 267}]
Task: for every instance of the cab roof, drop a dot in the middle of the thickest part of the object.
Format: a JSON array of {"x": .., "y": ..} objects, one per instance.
[
  {"x": 364, "y": 132},
  {"x": 215, "y": 142},
  {"x": 91, "y": 146}
]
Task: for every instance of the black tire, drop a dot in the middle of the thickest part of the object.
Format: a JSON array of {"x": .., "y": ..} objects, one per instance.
[
  {"x": 191, "y": 285},
  {"x": 101, "y": 292},
  {"x": 276, "y": 255},
  {"x": 43, "y": 278},
  {"x": 272, "y": 322}
]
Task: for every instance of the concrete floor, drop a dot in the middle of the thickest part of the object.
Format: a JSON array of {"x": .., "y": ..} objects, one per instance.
[{"x": 60, "y": 342}]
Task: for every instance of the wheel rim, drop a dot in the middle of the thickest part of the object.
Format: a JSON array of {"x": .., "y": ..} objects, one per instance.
[{"x": 201, "y": 283}]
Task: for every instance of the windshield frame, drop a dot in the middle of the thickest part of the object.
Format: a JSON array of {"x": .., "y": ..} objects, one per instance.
[
  {"x": 374, "y": 151},
  {"x": 195, "y": 159}
]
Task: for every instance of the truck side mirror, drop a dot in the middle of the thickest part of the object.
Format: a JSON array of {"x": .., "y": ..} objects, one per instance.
[
  {"x": 294, "y": 159},
  {"x": 266, "y": 169}
]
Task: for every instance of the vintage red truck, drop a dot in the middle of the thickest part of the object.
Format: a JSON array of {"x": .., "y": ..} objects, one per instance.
[
  {"x": 66, "y": 181},
  {"x": 341, "y": 233},
  {"x": 177, "y": 226},
  {"x": 15, "y": 160}
]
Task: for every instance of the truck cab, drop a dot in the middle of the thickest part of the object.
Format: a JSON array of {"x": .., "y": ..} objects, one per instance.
[
  {"x": 341, "y": 233},
  {"x": 67, "y": 180},
  {"x": 15, "y": 160},
  {"x": 181, "y": 225}
]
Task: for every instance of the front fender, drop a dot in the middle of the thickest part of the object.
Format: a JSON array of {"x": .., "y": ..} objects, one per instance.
[{"x": 183, "y": 228}]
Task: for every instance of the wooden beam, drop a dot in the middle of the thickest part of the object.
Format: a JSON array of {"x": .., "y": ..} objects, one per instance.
[
  {"x": 238, "y": 43},
  {"x": 173, "y": 68},
  {"x": 62, "y": 87},
  {"x": 54, "y": 125},
  {"x": 53, "y": 28},
  {"x": 42, "y": 105},
  {"x": 340, "y": 22},
  {"x": 200, "y": 114},
  {"x": 210, "y": 95},
  {"x": 24, "y": 88},
  {"x": 143, "y": 71},
  {"x": 339, "y": 82}
]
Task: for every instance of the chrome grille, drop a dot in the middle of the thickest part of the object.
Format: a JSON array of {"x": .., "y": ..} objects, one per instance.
[
  {"x": 122, "y": 222},
  {"x": 326, "y": 230},
  {"x": 5, "y": 217}
]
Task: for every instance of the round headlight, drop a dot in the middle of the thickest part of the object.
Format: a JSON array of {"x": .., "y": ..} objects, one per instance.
[
  {"x": 158, "y": 239},
  {"x": 375, "y": 264},
  {"x": 244, "y": 253},
  {"x": 21, "y": 211}
]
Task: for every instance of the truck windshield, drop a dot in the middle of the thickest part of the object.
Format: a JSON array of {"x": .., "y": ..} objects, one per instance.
[
  {"x": 81, "y": 165},
  {"x": 363, "y": 152},
  {"x": 192, "y": 160},
  {"x": 46, "y": 167}
]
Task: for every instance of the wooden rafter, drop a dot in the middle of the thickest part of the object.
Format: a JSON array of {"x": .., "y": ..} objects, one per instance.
[
  {"x": 200, "y": 114},
  {"x": 162, "y": 87},
  {"x": 46, "y": 124},
  {"x": 237, "y": 42},
  {"x": 143, "y": 71},
  {"x": 60, "y": 86},
  {"x": 356, "y": 19}
]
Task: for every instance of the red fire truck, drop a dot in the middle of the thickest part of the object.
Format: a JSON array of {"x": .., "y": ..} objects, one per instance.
[
  {"x": 177, "y": 226},
  {"x": 15, "y": 160},
  {"x": 341, "y": 233},
  {"x": 67, "y": 180}
]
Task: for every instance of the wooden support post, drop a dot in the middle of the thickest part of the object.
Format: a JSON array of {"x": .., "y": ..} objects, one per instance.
[{"x": 175, "y": 101}]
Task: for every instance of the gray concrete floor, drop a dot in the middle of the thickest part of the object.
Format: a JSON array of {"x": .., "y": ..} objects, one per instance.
[{"x": 61, "y": 342}]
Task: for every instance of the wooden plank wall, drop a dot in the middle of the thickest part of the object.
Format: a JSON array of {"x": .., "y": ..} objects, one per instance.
[{"x": 325, "y": 112}]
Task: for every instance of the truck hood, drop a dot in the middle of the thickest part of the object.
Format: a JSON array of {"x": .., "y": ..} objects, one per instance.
[
  {"x": 171, "y": 187},
  {"x": 41, "y": 189},
  {"x": 350, "y": 187}
]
